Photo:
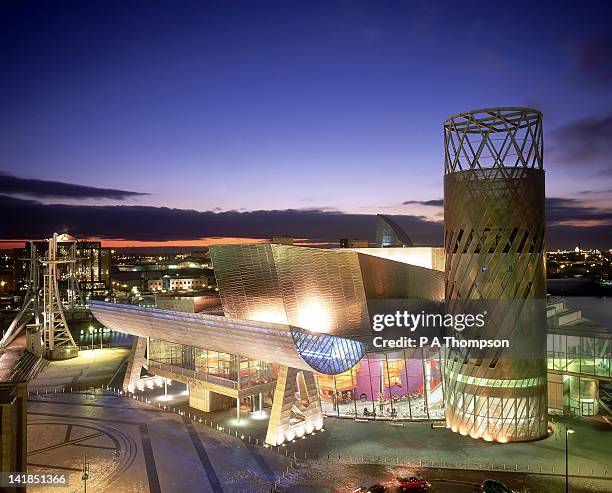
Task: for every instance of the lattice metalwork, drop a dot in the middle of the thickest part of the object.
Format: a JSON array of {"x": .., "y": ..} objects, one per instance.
[
  {"x": 494, "y": 241},
  {"x": 499, "y": 138},
  {"x": 328, "y": 354},
  {"x": 57, "y": 340}
]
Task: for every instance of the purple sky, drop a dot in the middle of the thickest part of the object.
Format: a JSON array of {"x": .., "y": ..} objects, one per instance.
[{"x": 332, "y": 106}]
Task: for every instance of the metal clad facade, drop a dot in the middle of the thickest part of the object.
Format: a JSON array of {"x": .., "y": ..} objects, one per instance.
[
  {"x": 494, "y": 242},
  {"x": 314, "y": 289}
]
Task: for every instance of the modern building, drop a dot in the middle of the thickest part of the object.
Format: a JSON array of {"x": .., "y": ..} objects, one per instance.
[
  {"x": 578, "y": 352},
  {"x": 286, "y": 310},
  {"x": 390, "y": 234},
  {"x": 294, "y": 329},
  {"x": 290, "y": 313}
]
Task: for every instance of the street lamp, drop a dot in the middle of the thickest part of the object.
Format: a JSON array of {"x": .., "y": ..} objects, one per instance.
[
  {"x": 85, "y": 475},
  {"x": 91, "y": 331},
  {"x": 568, "y": 431}
]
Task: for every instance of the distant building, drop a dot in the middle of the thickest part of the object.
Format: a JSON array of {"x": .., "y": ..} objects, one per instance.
[
  {"x": 133, "y": 263},
  {"x": 189, "y": 303},
  {"x": 197, "y": 260},
  {"x": 93, "y": 265},
  {"x": 282, "y": 240},
  {"x": 178, "y": 283},
  {"x": 353, "y": 243}
]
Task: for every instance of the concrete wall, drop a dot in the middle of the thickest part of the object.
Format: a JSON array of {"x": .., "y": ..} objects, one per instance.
[{"x": 208, "y": 401}]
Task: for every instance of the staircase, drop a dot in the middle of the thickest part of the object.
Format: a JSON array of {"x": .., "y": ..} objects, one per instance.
[{"x": 27, "y": 367}]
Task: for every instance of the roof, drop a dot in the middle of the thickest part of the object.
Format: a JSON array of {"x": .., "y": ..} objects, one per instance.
[{"x": 389, "y": 233}]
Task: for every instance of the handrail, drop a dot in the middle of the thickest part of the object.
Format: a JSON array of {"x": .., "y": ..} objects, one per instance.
[{"x": 205, "y": 377}]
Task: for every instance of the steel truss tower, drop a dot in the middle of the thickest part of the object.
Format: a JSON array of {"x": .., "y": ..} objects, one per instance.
[
  {"x": 43, "y": 305},
  {"x": 57, "y": 341},
  {"x": 494, "y": 220}
]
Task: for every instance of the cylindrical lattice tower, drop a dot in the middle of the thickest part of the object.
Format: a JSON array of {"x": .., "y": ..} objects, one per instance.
[{"x": 494, "y": 220}]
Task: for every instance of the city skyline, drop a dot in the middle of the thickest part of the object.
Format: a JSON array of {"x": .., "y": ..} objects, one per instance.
[{"x": 205, "y": 121}]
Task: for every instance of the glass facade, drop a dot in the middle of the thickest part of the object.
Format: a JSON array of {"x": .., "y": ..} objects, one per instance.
[
  {"x": 398, "y": 385},
  {"x": 221, "y": 368},
  {"x": 408, "y": 384},
  {"x": 575, "y": 364},
  {"x": 495, "y": 409},
  {"x": 580, "y": 354},
  {"x": 327, "y": 354}
]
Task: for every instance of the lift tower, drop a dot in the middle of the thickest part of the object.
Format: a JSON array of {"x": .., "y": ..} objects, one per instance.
[{"x": 57, "y": 342}]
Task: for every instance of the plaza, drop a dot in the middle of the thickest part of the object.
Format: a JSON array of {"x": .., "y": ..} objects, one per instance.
[{"x": 135, "y": 446}]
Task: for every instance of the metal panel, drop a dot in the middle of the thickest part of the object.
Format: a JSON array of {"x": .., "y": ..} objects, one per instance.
[
  {"x": 387, "y": 279},
  {"x": 428, "y": 257},
  {"x": 315, "y": 289},
  {"x": 274, "y": 343},
  {"x": 494, "y": 242}
]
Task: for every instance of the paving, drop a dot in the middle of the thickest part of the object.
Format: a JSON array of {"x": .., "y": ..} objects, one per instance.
[
  {"x": 590, "y": 447},
  {"x": 90, "y": 368},
  {"x": 134, "y": 447},
  {"x": 351, "y": 453}
]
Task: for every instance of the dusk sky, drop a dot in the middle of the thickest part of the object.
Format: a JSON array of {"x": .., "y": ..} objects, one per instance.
[{"x": 314, "y": 114}]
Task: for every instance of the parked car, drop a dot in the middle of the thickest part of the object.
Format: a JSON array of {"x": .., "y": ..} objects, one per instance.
[
  {"x": 493, "y": 486},
  {"x": 410, "y": 484}
]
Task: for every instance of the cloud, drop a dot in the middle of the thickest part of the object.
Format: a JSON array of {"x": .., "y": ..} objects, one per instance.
[
  {"x": 14, "y": 185},
  {"x": 569, "y": 221},
  {"x": 591, "y": 192},
  {"x": 31, "y": 219},
  {"x": 561, "y": 210},
  {"x": 586, "y": 143},
  {"x": 435, "y": 202},
  {"x": 568, "y": 236},
  {"x": 594, "y": 60}
]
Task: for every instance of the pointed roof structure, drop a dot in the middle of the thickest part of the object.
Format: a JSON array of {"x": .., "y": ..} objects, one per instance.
[{"x": 390, "y": 234}]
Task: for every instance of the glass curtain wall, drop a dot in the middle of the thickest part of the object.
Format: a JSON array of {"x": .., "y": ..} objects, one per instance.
[
  {"x": 580, "y": 354},
  {"x": 212, "y": 363},
  {"x": 396, "y": 385},
  {"x": 578, "y": 358}
]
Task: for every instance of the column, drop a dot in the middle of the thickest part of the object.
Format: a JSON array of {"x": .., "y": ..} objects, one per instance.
[{"x": 135, "y": 363}]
